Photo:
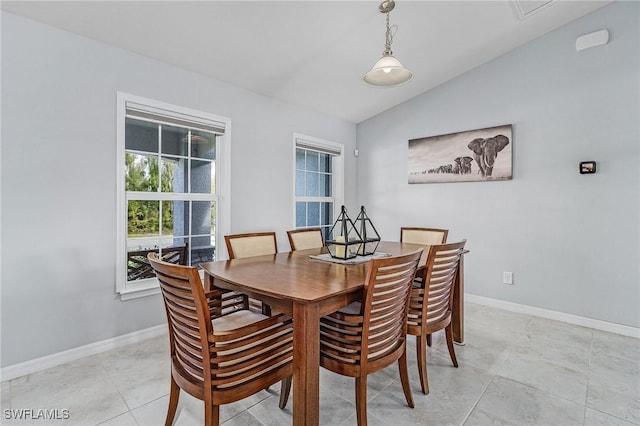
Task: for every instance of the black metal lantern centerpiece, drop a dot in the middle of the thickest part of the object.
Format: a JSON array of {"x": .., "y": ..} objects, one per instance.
[
  {"x": 347, "y": 240},
  {"x": 343, "y": 241},
  {"x": 368, "y": 234}
]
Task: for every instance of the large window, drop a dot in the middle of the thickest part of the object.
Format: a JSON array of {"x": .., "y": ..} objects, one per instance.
[
  {"x": 318, "y": 182},
  {"x": 168, "y": 182}
]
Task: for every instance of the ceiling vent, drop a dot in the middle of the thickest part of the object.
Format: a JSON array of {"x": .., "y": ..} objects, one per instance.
[{"x": 526, "y": 8}]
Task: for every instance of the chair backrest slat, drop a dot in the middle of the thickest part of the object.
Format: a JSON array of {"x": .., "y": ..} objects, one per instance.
[
  {"x": 436, "y": 300},
  {"x": 385, "y": 304}
]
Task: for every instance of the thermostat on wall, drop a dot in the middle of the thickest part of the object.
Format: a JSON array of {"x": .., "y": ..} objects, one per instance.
[{"x": 587, "y": 167}]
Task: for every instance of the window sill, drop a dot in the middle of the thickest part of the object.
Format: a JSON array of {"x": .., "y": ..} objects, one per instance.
[{"x": 142, "y": 289}]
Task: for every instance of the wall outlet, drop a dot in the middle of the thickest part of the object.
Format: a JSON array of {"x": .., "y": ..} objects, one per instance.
[{"x": 507, "y": 277}]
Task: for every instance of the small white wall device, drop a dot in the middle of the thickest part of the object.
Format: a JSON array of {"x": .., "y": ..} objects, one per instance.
[{"x": 587, "y": 41}]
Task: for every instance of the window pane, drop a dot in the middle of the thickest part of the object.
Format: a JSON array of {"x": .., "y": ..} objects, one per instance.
[
  {"x": 300, "y": 159},
  {"x": 174, "y": 140},
  {"x": 203, "y": 145},
  {"x": 203, "y": 253},
  {"x": 312, "y": 185},
  {"x": 141, "y": 172},
  {"x": 326, "y": 214},
  {"x": 313, "y": 218},
  {"x": 203, "y": 227},
  {"x": 174, "y": 175},
  {"x": 324, "y": 185},
  {"x": 300, "y": 184},
  {"x": 325, "y": 163},
  {"x": 202, "y": 219},
  {"x": 143, "y": 219},
  {"x": 202, "y": 177},
  {"x": 312, "y": 161},
  {"x": 301, "y": 215},
  {"x": 175, "y": 218},
  {"x": 141, "y": 135}
]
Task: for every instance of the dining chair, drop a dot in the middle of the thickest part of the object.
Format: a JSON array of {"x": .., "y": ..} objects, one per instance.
[
  {"x": 248, "y": 245},
  {"x": 302, "y": 239},
  {"x": 222, "y": 360},
  {"x": 369, "y": 335},
  {"x": 431, "y": 303},
  {"x": 252, "y": 244},
  {"x": 424, "y": 236},
  {"x": 427, "y": 237}
]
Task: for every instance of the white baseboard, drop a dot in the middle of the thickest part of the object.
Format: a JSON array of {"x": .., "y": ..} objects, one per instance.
[
  {"x": 21, "y": 369},
  {"x": 624, "y": 330},
  {"x": 17, "y": 370}
]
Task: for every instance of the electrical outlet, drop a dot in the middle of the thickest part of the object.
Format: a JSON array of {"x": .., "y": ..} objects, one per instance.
[{"x": 507, "y": 277}]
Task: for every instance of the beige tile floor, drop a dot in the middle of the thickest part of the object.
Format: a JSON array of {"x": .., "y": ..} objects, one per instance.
[{"x": 514, "y": 370}]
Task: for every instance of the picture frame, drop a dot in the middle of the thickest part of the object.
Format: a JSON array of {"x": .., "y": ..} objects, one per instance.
[
  {"x": 587, "y": 167},
  {"x": 469, "y": 156}
]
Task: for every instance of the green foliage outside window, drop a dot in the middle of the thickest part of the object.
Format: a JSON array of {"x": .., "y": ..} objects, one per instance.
[{"x": 142, "y": 175}]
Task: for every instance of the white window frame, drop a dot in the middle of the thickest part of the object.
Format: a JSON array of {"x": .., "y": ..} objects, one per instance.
[
  {"x": 140, "y": 288},
  {"x": 324, "y": 146}
]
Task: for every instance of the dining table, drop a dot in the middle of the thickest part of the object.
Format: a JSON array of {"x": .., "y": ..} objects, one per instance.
[{"x": 298, "y": 284}]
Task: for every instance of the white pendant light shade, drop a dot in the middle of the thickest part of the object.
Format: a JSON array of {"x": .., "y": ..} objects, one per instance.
[{"x": 388, "y": 71}]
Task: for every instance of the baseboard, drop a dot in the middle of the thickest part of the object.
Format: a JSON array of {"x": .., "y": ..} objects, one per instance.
[
  {"x": 624, "y": 330},
  {"x": 17, "y": 370},
  {"x": 21, "y": 369}
]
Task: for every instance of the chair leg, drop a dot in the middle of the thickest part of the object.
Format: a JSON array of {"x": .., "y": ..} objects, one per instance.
[
  {"x": 429, "y": 340},
  {"x": 266, "y": 309},
  {"x": 285, "y": 389},
  {"x": 361, "y": 400},
  {"x": 449, "y": 333},
  {"x": 211, "y": 414},
  {"x": 174, "y": 395},
  {"x": 404, "y": 379},
  {"x": 421, "y": 349}
]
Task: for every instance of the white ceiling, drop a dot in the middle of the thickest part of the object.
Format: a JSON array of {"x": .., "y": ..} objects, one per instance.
[{"x": 310, "y": 53}]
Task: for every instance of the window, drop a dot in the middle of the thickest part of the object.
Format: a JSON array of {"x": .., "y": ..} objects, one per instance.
[
  {"x": 169, "y": 189},
  {"x": 318, "y": 182}
]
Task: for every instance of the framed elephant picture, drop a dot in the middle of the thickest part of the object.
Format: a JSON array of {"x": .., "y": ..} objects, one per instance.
[{"x": 469, "y": 156}]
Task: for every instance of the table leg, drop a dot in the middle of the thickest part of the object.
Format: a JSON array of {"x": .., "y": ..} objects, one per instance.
[
  {"x": 306, "y": 364},
  {"x": 458, "y": 304}
]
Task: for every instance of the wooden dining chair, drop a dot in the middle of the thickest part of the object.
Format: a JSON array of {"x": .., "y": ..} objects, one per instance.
[
  {"x": 368, "y": 336},
  {"x": 249, "y": 245},
  {"x": 303, "y": 239},
  {"x": 424, "y": 236},
  {"x": 252, "y": 244},
  {"x": 225, "y": 359},
  {"x": 431, "y": 303}
]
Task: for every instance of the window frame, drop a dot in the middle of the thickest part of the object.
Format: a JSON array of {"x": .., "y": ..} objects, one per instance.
[
  {"x": 337, "y": 181},
  {"x": 145, "y": 287}
]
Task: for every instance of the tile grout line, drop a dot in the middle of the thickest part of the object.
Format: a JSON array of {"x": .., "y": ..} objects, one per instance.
[
  {"x": 504, "y": 359},
  {"x": 586, "y": 394},
  {"x": 486, "y": 387}
]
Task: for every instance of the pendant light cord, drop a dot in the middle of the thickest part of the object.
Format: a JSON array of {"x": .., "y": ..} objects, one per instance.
[{"x": 389, "y": 37}]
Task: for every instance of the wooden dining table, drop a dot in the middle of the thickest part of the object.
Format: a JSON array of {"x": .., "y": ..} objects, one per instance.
[{"x": 306, "y": 289}]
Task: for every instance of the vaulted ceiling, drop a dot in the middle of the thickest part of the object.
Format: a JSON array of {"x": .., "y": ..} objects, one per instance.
[{"x": 312, "y": 53}]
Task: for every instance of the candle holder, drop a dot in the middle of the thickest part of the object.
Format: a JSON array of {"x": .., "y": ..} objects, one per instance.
[
  {"x": 368, "y": 233},
  {"x": 343, "y": 241}
]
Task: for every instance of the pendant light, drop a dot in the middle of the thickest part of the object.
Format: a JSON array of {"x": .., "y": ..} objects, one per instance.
[{"x": 388, "y": 71}]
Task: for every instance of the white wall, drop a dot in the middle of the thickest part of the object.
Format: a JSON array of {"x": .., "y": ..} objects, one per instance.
[
  {"x": 59, "y": 181},
  {"x": 571, "y": 240}
]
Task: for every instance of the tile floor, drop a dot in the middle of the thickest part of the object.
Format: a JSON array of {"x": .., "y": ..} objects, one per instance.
[{"x": 514, "y": 370}]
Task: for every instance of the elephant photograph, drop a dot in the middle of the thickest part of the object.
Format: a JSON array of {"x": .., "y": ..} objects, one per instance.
[{"x": 469, "y": 156}]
